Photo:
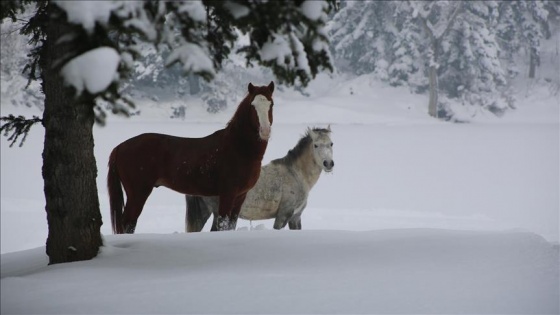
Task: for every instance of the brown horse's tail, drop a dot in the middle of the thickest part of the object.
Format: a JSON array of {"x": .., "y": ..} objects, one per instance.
[
  {"x": 197, "y": 214},
  {"x": 116, "y": 198}
]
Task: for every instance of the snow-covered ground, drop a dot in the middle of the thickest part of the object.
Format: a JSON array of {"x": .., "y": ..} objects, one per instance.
[
  {"x": 419, "y": 216},
  {"x": 411, "y": 271}
]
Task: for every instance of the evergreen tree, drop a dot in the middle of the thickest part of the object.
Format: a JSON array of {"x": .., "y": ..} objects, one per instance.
[
  {"x": 363, "y": 33},
  {"x": 470, "y": 66},
  {"x": 522, "y": 25},
  {"x": 405, "y": 55},
  {"x": 378, "y": 37},
  {"x": 436, "y": 19},
  {"x": 16, "y": 89},
  {"x": 462, "y": 49},
  {"x": 288, "y": 37}
]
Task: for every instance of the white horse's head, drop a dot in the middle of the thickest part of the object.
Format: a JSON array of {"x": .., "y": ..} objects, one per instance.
[{"x": 322, "y": 147}]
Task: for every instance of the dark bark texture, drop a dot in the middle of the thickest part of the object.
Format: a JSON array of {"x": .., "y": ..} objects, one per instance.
[{"x": 69, "y": 167}]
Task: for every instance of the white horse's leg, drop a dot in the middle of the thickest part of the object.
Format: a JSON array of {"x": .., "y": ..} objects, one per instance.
[
  {"x": 295, "y": 223},
  {"x": 282, "y": 218},
  {"x": 198, "y": 212}
]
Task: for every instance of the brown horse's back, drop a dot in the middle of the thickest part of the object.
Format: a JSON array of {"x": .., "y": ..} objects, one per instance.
[{"x": 151, "y": 160}]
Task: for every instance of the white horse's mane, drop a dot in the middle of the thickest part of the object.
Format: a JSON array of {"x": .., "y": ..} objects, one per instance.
[{"x": 301, "y": 146}]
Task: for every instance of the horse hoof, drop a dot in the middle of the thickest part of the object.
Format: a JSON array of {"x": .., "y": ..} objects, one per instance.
[
  {"x": 226, "y": 224},
  {"x": 130, "y": 229},
  {"x": 223, "y": 223}
]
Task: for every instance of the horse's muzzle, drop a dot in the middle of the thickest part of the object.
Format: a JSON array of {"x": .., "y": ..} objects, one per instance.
[
  {"x": 264, "y": 133},
  {"x": 328, "y": 165}
]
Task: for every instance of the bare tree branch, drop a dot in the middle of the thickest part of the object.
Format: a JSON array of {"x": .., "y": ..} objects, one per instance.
[{"x": 452, "y": 18}]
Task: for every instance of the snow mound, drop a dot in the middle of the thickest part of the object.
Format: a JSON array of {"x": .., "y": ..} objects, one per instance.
[{"x": 392, "y": 271}]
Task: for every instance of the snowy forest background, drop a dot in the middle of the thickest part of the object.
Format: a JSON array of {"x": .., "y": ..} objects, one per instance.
[{"x": 485, "y": 51}]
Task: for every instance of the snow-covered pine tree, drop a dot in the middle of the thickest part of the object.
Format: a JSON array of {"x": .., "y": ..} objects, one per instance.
[
  {"x": 450, "y": 47},
  {"x": 16, "y": 88},
  {"x": 362, "y": 33},
  {"x": 507, "y": 31},
  {"x": 436, "y": 19},
  {"x": 405, "y": 56},
  {"x": 523, "y": 25},
  {"x": 470, "y": 67}
]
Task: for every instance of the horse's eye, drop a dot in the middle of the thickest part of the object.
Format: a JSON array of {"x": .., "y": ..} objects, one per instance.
[
  {"x": 331, "y": 144},
  {"x": 316, "y": 146}
]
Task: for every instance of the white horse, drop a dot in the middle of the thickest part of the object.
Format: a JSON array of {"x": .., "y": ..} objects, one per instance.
[{"x": 282, "y": 189}]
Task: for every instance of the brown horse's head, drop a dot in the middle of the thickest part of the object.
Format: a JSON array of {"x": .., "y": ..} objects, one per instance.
[{"x": 260, "y": 97}]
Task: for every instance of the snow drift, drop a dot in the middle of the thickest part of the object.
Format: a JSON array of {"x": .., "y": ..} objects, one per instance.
[{"x": 391, "y": 271}]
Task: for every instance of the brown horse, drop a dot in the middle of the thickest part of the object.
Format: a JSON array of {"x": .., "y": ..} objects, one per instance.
[{"x": 226, "y": 163}]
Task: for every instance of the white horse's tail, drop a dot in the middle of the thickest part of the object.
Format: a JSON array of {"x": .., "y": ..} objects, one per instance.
[{"x": 197, "y": 214}]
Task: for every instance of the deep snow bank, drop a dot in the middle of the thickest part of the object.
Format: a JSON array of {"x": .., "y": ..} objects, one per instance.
[{"x": 391, "y": 271}]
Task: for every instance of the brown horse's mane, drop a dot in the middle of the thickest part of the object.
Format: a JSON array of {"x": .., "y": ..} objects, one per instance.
[
  {"x": 302, "y": 145},
  {"x": 239, "y": 117}
]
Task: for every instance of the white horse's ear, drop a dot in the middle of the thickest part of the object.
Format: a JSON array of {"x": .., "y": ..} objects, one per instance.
[
  {"x": 312, "y": 133},
  {"x": 329, "y": 128}
]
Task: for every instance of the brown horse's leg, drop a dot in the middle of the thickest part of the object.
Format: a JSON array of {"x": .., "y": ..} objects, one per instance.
[
  {"x": 235, "y": 210},
  {"x": 229, "y": 209},
  {"x": 135, "y": 201},
  {"x": 223, "y": 221}
]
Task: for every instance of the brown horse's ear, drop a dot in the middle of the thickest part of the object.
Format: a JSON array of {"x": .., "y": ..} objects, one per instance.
[
  {"x": 251, "y": 88},
  {"x": 271, "y": 87}
]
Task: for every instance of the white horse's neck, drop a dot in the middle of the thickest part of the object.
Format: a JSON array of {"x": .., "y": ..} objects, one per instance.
[{"x": 306, "y": 167}]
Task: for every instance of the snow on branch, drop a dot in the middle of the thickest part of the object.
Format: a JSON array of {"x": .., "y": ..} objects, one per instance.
[
  {"x": 237, "y": 10},
  {"x": 193, "y": 58},
  {"x": 300, "y": 54},
  {"x": 277, "y": 49},
  {"x": 194, "y": 9},
  {"x": 313, "y": 10},
  {"x": 443, "y": 20},
  {"x": 288, "y": 52},
  {"x": 87, "y": 13},
  {"x": 93, "y": 70}
]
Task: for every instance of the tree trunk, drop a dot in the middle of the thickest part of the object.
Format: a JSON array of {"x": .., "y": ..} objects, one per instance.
[
  {"x": 433, "y": 102},
  {"x": 194, "y": 84},
  {"x": 432, "y": 105},
  {"x": 532, "y": 63},
  {"x": 69, "y": 167}
]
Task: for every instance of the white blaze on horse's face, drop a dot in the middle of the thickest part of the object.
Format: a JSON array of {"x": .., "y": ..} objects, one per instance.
[
  {"x": 262, "y": 106},
  {"x": 323, "y": 150}
]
